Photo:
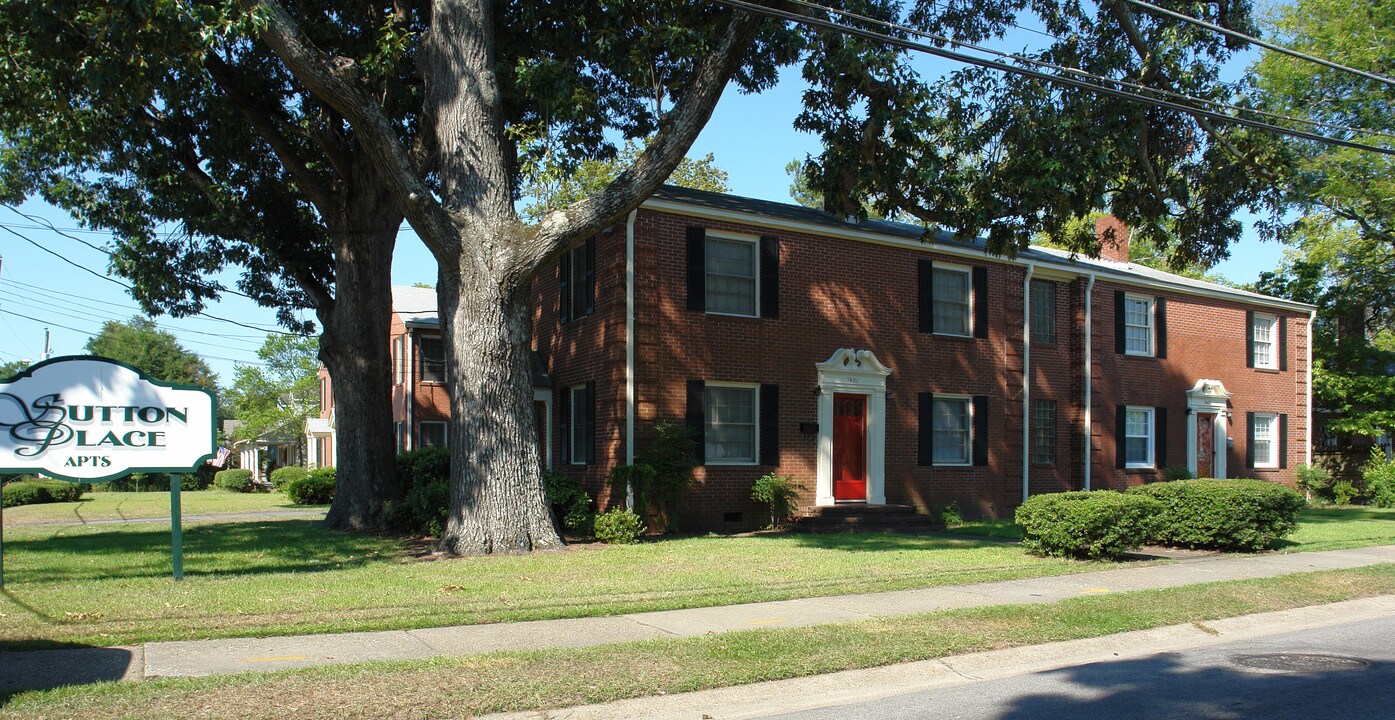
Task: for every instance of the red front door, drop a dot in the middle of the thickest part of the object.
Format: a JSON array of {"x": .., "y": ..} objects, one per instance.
[{"x": 849, "y": 447}]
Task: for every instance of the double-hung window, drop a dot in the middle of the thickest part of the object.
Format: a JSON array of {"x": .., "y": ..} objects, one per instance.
[
  {"x": 1138, "y": 325},
  {"x": 1265, "y": 430},
  {"x": 1043, "y": 451},
  {"x": 1138, "y": 437},
  {"x": 1263, "y": 343},
  {"x": 1043, "y": 311},
  {"x": 729, "y": 418},
  {"x": 431, "y": 434},
  {"x": 731, "y": 267},
  {"x": 952, "y": 300},
  {"x": 952, "y": 427},
  {"x": 433, "y": 359}
]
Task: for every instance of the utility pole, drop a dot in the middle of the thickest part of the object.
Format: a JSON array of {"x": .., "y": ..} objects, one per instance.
[{"x": 48, "y": 351}]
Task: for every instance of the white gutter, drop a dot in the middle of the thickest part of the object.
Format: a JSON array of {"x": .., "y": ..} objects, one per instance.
[
  {"x": 630, "y": 350},
  {"x": 1308, "y": 447},
  {"x": 1089, "y": 357},
  {"x": 1027, "y": 379}
]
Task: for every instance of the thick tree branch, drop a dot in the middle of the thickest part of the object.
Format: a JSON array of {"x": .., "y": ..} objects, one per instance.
[
  {"x": 331, "y": 80},
  {"x": 677, "y": 131}
]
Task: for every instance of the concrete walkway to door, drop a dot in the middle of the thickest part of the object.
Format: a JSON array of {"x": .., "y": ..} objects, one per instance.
[{"x": 52, "y": 668}]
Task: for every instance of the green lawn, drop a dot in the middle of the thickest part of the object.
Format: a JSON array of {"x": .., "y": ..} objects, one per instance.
[
  {"x": 109, "y": 585},
  {"x": 133, "y": 505}
]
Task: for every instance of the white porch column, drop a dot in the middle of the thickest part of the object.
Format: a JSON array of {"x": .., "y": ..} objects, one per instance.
[{"x": 853, "y": 372}]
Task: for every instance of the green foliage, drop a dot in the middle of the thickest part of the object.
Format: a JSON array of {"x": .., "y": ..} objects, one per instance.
[
  {"x": 200, "y": 479},
  {"x": 234, "y": 480},
  {"x": 638, "y": 479},
  {"x": 425, "y": 479},
  {"x": 316, "y": 488},
  {"x": 552, "y": 184},
  {"x": 38, "y": 492},
  {"x": 1315, "y": 481},
  {"x": 1233, "y": 515},
  {"x": 277, "y": 398},
  {"x": 1379, "y": 475},
  {"x": 949, "y": 514},
  {"x": 155, "y": 352},
  {"x": 1097, "y": 524},
  {"x": 12, "y": 368},
  {"x": 1177, "y": 472},
  {"x": 571, "y": 504},
  {"x": 619, "y": 527},
  {"x": 283, "y": 476},
  {"x": 780, "y": 493},
  {"x": 673, "y": 455}
]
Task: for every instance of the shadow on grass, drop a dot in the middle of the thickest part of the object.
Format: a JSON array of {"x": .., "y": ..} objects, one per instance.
[
  {"x": 63, "y": 664},
  {"x": 886, "y": 541},
  {"x": 232, "y": 548},
  {"x": 1350, "y": 513}
]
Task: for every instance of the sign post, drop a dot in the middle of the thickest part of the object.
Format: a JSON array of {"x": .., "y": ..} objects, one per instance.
[{"x": 90, "y": 419}]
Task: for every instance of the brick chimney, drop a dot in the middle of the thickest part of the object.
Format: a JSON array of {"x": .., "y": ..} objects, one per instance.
[{"x": 1113, "y": 235}]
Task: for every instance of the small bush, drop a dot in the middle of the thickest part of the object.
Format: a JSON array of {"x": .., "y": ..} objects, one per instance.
[
  {"x": 778, "y": 492},
  {"x": 638, "y": 479},
  {"x": 1237, "y": 515},
  {"x": 1098, "y": 524},
  {"x": 949, "y": 514},
  {"x": 425, "y": 478},
  {"x": 1177, "y": 472},
  {"x": 38, "y": 492},
  {"x": 316, "y": 488},
  {"x": 619, "y": 527},
  {"x": 1379, "y": 474},
  {"x": 283, "y": 476},
  {"x": 235, "y": 480},
  {"x": 571, "y": 504},
  {"x": 672, "y": 455},
  {"x": 1315, "y": 481}
]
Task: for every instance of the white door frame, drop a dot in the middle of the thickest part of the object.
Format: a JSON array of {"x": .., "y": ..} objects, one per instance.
[
  {"x": 1208, "y": 396},
  {"x": 853, "y": 372}
]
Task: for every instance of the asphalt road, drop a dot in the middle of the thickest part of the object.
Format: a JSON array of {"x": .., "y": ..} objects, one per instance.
[{"x": 1340, "y": 672}]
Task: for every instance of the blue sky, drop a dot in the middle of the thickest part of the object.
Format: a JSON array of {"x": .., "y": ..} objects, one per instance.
[{"x": 751, "y": 136}]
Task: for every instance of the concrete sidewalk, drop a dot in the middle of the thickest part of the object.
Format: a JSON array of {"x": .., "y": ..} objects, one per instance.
[{"x": 51, "y": 668}]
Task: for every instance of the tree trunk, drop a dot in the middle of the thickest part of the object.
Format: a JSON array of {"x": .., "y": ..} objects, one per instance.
[
  {"x": 355, "y": 349},
  {"x": 497, "y": 504}
]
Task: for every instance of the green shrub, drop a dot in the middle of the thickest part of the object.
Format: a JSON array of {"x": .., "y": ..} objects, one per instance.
[
  {"x": 571, "y": 504},
  {"x": 638, "y": 479},
  {"x": 778, "y": 492},
  {"x": 1238, "y": 515},
  {"x": 139, "y": 482},
  {"x": 1177, "y": 472},
  {"x": 673, "y": 455},
  {"x": 619, "y": 527},
  {"x": 235, "y": 480},
  {"x": 283, "y": 476},
  {"x": 1098, "y": 524},
  {"x": 949, "y": 514},
  {"x": 1379, "y": 474},
  {"x": 38, "y": 492},
  {"x": 1315, "y": 481},
  {"x": 316, "y": 488},
  {"x": 425, "y": 479}
]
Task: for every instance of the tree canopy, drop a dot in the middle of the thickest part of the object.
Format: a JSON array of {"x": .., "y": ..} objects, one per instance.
[
  {"x": 141, "y": 344},
  {"x": 276, "y": 399},
  {"x": 555, "y": 183}
]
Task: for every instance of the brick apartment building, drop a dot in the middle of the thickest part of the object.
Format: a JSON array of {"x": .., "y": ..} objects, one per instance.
[{"x": 876, "y": 368}]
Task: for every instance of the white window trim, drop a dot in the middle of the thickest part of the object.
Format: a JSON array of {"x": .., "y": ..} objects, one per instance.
[
  {"x": 1273, "y": 343},
  {"x": 445, "y": 432},
  {"x": 969, "y": 308},
  {"x": 969, "y": 408},
  {"x": 576, "y": 422},
  {"x": 1152, "y": 325},
  {"x": 754, "y": 240},
  {"x": 1152, "y": 443},
  {"x": 1273, "y": 439},
  {"x": 755, "y": 420}
]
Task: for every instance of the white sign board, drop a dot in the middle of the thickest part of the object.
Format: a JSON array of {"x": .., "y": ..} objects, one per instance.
[{"x": 89, "y": 419}]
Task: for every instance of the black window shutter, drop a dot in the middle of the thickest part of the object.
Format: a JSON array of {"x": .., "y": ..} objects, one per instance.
[
  {"x": 1249, "y": 439},
  {"x": 1283, "y": 343},
  {"x": 564, "y": 409},
  {"x": 925, "y": 454},
  {"x": 564, "y": 286},
  {"x": 1121, "y": 445},
  {"x": 697, "y": 268},
  {"x": 980, "y": 430},
  {"x": 1249, "y": 338},
  {"x": 925, "y": 274},
  {"x": 1119, "y": 345},
  {"x": 697, "y": 391},
  {"x": 770, "y": 424},
  {"x": 590, "y": 289},
  {"x": 1160, "y": 326},
  {"x": 1283, "y": 440},
  {"x": 590, "y": 433},
  {"x": 769, "y": 276},
  {"x": 1160, "y": 437},
  {"x": 980, "y": 302}
]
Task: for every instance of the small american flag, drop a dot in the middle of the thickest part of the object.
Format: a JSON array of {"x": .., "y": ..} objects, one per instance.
[{"x": 222, "y": 458}]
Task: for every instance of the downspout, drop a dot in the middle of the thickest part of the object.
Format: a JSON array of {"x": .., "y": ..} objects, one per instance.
[
  {"x": 1089, "y": 334},
  {"x": 630, "y": 351},
  {"x": 1308, "y": 448},
  {"x": 1027, "y": 379},
  {"x": 408, "y": 436}
]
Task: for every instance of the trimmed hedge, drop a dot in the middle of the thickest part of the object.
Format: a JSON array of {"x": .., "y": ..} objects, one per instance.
[
  {"x": 316, "y": 488},
  {"x": 1235, "y": 515},
  {"x": 38, "y": 492},
  {"x": 235, "y": 480},
  {"x": 283, "y": 476},
  {"x": 1098, "y": 524}
]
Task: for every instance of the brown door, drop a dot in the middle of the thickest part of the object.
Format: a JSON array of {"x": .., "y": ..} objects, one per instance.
[
  {"x": 1205, "y": 445},
  {"x": 849, "y": 447}
]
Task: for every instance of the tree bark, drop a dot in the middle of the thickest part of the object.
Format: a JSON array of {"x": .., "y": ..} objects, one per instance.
[{"x": 497, "y": 501}]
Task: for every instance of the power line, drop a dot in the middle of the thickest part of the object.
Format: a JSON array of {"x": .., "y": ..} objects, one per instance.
[
  {"x": 1262, "y": 43},
  {"x": 27, "y": 294},
  {"x": 49, "y": 291},
  {"x": 1092, "y": 76},
  {"x": 60, "y": 313},
  {"x": 90, "y": 333},
  {"x": 1046, "y": 77}
]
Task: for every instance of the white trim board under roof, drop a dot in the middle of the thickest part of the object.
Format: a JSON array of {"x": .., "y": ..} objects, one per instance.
[{"x": 796, "y": 218}]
